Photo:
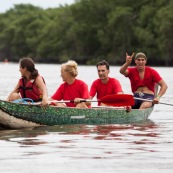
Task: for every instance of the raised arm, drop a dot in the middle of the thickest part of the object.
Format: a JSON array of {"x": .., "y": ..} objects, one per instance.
[{"x": 123, "y": 69}]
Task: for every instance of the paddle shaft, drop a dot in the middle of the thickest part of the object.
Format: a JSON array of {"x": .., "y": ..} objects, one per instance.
[
  {"x": 72, "y": 101},
  {"x": 152, "y": 100},
  {"x": 111, "y": 100},
  {"x": 115, "y": 100}
]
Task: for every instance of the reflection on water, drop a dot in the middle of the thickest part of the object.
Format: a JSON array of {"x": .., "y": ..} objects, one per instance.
[
  {"x": 104, "y": 148},
  {"x": 143, "y": 133},
  {"x": 100, "y": 130},
  {"x": 140, "y": 147}
]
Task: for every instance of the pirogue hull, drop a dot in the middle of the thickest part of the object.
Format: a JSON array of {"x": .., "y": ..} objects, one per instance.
[{"x": 14, "y": 115}]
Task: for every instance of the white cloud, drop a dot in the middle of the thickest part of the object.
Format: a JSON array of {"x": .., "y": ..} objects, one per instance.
[{"x": 7, "y": 4}]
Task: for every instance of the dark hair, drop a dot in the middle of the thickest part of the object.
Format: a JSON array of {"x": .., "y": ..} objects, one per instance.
[
  {"x": 103, "y": 63},
  {"x": 30, "y": 66}
]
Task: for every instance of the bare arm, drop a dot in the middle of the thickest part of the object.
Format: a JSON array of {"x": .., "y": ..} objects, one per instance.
[
  {"x": 163, "y": 88},
  {"x": 84, "y": 95},
  {"x": 78, "y": 100},
  {"x": 123, "y": 69},
  {"x": 42, "y": 86},
  {"x": 15, "y": 90},
  {"x": 90, "y": 98}
]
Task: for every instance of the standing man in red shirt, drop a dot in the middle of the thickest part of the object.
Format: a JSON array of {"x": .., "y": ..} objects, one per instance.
[
  {"x": 143, "y": 80},
  {"x": 105, "y": 85}
]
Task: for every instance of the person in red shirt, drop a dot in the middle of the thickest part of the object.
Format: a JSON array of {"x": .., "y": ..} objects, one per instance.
[
  {"x": 143, "y": 80},
  {"x": 105, "y": 85},
  {"x": 73, "y": 90},
  {"x": 31, "y": 85}
]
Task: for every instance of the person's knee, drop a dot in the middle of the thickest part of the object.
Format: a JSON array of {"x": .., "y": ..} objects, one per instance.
[
  {"x": 145, "y": 105},
  {"x": 15, "y": 96},
  {"x": 81, "y": 105}
]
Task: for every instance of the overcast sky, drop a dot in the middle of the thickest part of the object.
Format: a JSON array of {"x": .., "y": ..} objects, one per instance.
[{"x": 7, "y": 4}]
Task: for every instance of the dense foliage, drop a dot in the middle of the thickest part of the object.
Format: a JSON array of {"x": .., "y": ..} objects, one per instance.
[{"x": 89, "y": 31}]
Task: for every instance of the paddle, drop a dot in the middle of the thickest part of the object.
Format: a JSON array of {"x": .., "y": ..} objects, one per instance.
[
  {"x": 118, "y": 100},
  {"x": 152, "y": 100},
  {"x": 111, "y": 100}
]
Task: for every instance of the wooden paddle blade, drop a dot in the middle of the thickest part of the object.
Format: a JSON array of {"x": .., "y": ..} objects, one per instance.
[{"x": 118, "y": 100}]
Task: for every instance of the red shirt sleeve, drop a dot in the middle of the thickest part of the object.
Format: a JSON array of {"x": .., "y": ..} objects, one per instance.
[{"x": 58, "y": 95}]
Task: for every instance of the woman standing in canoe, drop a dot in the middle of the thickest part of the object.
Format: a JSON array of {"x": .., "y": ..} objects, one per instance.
[
  {"x": 143, "y": 80},
  {"x": 72, "y": 88},
  {"x": 31, "y": 85}
]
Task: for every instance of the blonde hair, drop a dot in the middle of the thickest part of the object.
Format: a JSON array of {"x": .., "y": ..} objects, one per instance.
[{"x": 71, "y": 67}]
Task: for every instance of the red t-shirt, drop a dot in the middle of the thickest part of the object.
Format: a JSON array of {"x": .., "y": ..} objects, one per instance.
[
  {"x": 112, "y": 87},
  {"x": 78, "y": 89},
  {"x": 151, "y": 77}
]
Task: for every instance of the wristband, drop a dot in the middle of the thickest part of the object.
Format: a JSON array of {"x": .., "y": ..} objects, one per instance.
[{"x": 158, "y": 97}]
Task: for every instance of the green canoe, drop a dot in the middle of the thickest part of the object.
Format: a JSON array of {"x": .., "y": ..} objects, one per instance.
[{"x": 15, "y": 115}]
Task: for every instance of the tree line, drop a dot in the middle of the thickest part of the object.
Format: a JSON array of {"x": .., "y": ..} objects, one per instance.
[{"x": 89, "y": 31}]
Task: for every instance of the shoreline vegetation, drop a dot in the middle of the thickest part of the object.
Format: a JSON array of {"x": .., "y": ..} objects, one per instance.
[{"x": 88, "y": 31}]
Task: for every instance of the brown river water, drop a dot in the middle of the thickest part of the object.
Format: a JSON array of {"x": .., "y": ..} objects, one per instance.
[{"x": 142, "y": 147}]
